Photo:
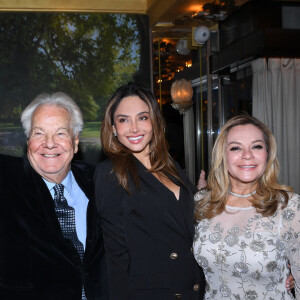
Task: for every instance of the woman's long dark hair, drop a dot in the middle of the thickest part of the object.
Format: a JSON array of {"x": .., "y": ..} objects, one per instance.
[{"x": 121, "y": 156}]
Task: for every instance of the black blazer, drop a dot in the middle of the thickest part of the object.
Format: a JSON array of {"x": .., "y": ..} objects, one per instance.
[
  {"x": 36, "y": 261},
  {"x": 148, "y": 237}
]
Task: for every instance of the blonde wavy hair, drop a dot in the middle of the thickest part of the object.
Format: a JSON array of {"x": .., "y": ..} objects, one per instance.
[{"x": 269, "y": 193}]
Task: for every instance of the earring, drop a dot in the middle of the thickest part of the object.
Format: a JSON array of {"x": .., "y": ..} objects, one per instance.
[{"x": 114, "y": 130}]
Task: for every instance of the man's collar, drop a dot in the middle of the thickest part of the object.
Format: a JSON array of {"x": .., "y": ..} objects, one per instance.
[{"x": 67, "y": 182}]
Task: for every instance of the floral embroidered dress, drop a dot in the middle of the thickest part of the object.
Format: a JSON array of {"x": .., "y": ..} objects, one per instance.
[{"x": 245, "y": 256}]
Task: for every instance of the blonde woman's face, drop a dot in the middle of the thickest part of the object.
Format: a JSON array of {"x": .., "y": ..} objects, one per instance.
[{"x": 246, "y": 154}]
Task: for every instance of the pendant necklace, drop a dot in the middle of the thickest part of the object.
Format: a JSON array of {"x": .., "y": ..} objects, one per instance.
[{"x": 242, "y": 196}]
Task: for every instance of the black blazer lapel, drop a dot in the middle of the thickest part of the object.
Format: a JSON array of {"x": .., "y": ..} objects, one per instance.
[
  {"x": 181, "y": 209},
  {"x": 84, "y": 177},
  {"x": 42, "y": 204},
  {"x": 83, "y": 174},
  {"x": 39, "y": 198},
  {"x": 187, "y": 207}
]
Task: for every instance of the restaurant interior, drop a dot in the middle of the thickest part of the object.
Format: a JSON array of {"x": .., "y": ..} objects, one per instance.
[{"x": 208, "y": 60}]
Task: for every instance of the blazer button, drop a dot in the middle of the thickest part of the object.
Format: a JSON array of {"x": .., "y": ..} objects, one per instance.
[
  {"x": 174, "y": 255},
  {"x": 178, "y": 296},
  {"x": 196, "y": 287}
]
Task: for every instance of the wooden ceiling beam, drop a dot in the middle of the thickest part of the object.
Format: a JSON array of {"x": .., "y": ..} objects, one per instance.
[
  {"x": 158, "y": 9},
  {"x": 105, "y": 6}
]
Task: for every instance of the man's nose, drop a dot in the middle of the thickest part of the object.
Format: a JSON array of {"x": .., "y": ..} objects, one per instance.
[{"x": 49, "y": 142}]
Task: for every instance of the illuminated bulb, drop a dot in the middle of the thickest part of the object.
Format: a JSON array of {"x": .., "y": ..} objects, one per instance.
[{"x": 182, "y": 93}]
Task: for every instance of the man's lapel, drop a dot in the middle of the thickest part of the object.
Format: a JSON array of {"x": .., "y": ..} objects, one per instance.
[
  {"x": 83, "y": 175},
  {"x": 39, "y": 199}
]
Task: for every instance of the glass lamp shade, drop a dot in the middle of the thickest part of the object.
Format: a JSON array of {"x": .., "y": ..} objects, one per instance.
[
  {"x": 201, "y": 34},
  {"x": 182, "y": 93},
  {"x": 182, "y": 47}
]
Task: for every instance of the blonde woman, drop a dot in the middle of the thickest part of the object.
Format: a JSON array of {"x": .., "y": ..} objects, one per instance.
[{"x": 248, "y": 227}]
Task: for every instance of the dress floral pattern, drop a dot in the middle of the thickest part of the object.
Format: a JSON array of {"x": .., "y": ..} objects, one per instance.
[{"x": 245, "y": 256}]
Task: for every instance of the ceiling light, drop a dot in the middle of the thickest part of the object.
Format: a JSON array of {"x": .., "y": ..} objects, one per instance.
[
  {"x": 164, "y": 24},
  {"x": 182, "y": 47}
]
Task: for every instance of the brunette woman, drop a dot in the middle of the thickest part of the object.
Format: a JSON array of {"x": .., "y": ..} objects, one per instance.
[{"x": 145, "y": 202}]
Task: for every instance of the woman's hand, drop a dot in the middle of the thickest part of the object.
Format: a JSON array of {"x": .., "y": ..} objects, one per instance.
[
  {"x": 202, "y": 183},
  {"x": 290, "y": 283}
]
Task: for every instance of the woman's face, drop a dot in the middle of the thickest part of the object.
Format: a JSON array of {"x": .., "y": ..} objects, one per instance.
[
  {"x": 246, "y": 154},
  {"x": 133, "y": 126}
]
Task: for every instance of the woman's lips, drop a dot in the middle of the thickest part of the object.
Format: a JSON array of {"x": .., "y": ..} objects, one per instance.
[{"x": 135, "y": 139}]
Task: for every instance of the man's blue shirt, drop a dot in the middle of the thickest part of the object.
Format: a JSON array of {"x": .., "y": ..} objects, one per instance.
[{"x": 76, "y": 199}]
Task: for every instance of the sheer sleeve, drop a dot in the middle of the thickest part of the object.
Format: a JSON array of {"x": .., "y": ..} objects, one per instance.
[
  {"x": 290, "y": 233},
  {"x": 200, "y": 195}
]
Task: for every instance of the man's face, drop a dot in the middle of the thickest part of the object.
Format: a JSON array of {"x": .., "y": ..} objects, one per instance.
[{"x": 51, "y": 144}]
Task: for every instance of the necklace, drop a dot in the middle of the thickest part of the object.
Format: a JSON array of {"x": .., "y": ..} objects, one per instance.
[{"x": 242, "y": 196}]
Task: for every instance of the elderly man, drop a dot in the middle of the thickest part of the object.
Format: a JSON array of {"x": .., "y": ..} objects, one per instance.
[{"x": 50, "y": 239}]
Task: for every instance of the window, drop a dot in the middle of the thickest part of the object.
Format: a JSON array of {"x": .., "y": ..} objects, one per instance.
[{"x": 86, "y": 56}]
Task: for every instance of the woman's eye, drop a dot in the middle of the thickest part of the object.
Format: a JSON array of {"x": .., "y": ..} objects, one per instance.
[
  {"x": 144, "y": 118},
  {"x": 234, "y": 148},
  {"x": 258, "y": 147},
  {"x": 122, "y": 120}
]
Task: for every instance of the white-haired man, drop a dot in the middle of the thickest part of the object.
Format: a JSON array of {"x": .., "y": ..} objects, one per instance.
[{"x": 51, "y": 241}]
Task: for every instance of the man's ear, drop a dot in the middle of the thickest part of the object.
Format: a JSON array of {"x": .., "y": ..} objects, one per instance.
[{"x": 76, "y": 142}]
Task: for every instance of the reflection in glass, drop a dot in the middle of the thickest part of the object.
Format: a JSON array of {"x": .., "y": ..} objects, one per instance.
[{"x": 84, "y": 55}]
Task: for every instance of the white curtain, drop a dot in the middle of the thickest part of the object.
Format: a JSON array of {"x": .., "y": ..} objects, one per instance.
[
  {"x": 276, "y": 102},
  {"x": 189, "y": 144}
]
